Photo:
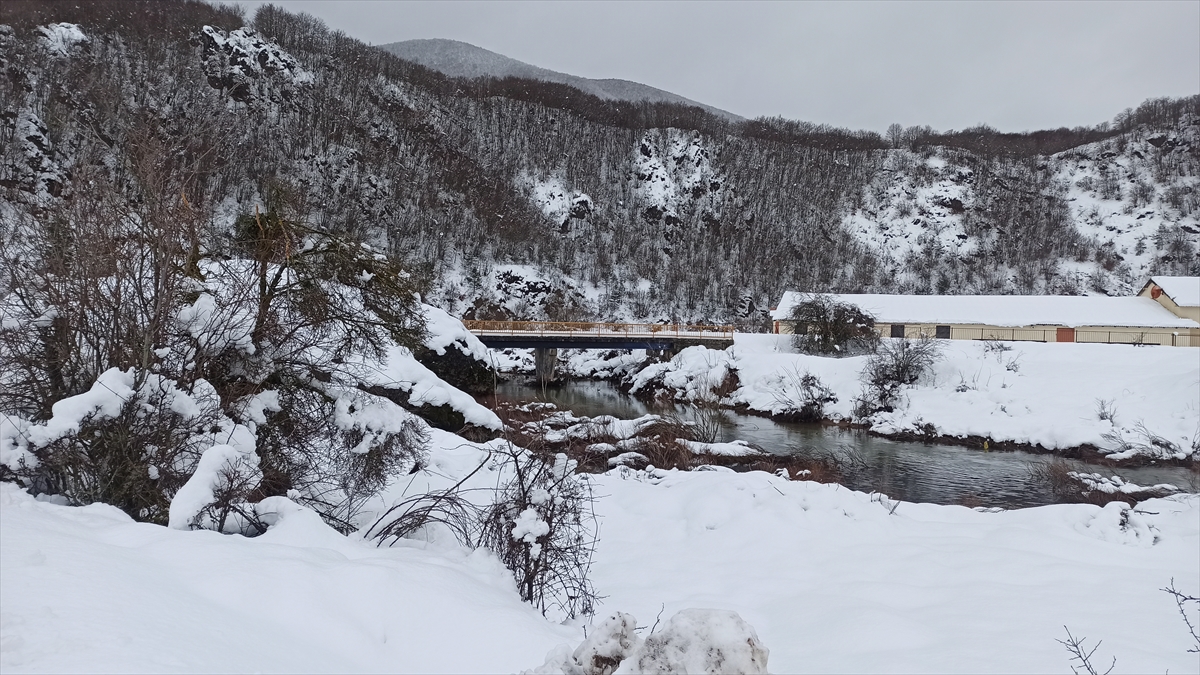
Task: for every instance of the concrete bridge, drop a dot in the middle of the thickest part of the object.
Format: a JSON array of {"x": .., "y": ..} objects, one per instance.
[{"x": 547, "y": 337}]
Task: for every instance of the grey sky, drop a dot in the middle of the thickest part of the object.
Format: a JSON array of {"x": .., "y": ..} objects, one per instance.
[{"x": 1013, "y": 65}]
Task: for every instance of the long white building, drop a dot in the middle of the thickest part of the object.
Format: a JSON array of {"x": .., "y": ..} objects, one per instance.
[{"x": 1043, "y": 318}]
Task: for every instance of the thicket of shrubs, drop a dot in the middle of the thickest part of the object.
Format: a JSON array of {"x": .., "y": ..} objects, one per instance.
[
  {"x": 898, "y": 363},
  {"x": 135, "y": 336},
  {"x": 824, "y": 325}
]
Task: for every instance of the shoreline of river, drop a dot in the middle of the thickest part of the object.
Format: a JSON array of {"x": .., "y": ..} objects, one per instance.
[
  {"x": 1086, "y": 452},
  {"x": 909, "y": 469}
]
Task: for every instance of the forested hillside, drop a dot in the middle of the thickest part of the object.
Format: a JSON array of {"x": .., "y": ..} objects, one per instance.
[{"x": 531, "y": 199}]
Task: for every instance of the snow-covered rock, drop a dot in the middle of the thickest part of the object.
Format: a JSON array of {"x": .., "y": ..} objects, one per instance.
[
  {"x": 61, "y": 38},
  {"x": 709, "y": 641}
]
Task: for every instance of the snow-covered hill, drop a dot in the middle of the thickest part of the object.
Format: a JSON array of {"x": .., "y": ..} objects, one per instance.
[
  {"x": 659, "y": 212},
  {"x": 1121, "y": 209}
]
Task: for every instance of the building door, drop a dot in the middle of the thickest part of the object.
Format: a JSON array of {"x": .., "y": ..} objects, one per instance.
[
  {"x": 1065, "y": 335},
  {"x": 897, "y": 330},
  {"x": 942, "y": 332}
]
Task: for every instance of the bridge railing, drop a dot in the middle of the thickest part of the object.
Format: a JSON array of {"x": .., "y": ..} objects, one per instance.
[{"x": 560, "y": 328}]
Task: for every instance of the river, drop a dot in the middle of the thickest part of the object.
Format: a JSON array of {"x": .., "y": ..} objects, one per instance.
[{"x": 916, "y": 472}]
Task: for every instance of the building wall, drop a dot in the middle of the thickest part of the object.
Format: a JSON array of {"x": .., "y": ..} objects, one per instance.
[
  {"x": 1165, "y": 300},
  {"x": 976, "y": 332},
  {"x": 1179, "y": 337}
]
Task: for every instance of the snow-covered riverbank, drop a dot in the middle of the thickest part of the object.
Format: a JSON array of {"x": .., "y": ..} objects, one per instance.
[
  {"x": 832, "y": 580},
  {"x": 1060, "y": 397}
]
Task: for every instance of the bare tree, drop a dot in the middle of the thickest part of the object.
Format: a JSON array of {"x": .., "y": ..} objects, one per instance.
[{"x": 823, "y": 325}]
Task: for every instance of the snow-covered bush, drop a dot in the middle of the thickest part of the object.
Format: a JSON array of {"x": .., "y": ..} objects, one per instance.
[
  {"x": 898, "y": 363},
  {"x": 130, "y": 440},
  {"x": 335, "y": 447},
  {"x": 1072, "y": 484},
  {"x": 216, "y": 496},
  {"x": 601, "y": 653},
  {"x": 1141, "y": 441},
  {"x": 697, "y": 641},
  {"x": 703, "y": 641},
  {"x": 802, "y": 397},
  {"x": 134, "y": 335},
  {"x": 542, "y": 528}
]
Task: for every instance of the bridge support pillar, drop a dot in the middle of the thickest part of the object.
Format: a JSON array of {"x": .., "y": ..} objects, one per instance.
[{"x": 544, "y": 360}]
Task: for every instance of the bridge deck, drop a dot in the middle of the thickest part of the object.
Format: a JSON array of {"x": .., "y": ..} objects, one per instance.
[{"x": 548, "y": 334}]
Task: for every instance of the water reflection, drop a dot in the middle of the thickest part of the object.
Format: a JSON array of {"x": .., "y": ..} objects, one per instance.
[{"x": 903, "y": 470}]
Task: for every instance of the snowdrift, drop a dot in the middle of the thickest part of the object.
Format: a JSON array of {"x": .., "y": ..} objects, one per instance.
[{"x": 830, "y": 580}]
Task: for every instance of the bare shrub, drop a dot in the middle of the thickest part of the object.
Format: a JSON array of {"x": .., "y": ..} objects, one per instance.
[
  {"x": 802, "y": 397},
  {"x": 707, "y": 418},
  {"x": 1182, "y": 601},
  {"x": 820, "y": 465},
  {"x": 823, "y": 325},
  {"x": 1082, "y": 655},
  {"x": 1146, "y": 442},
  {"x": 898, "y": 363},
  {"x": 659, "y": 442},
  {"x": 996, "y": 347},
  {"x": 1072, "y": 484},
  {"x": 1059, "y": 476},
  {"x": 1106, "y": 410},
  {"x": 449, "y": 508},
  {"x": 542, "y": 528}
]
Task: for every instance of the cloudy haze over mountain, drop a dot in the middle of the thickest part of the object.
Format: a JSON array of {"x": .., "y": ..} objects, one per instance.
[{"x": 1013, "y": 65}]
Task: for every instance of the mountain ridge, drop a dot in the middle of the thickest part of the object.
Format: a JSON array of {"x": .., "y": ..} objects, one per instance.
[{"x": 456, "y": 58}]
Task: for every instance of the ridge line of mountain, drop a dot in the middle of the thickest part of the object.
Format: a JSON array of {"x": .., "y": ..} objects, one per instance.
[{"x": 455, "y": 58}]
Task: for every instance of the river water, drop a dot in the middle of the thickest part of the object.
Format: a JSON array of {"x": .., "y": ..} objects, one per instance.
[{"x": 916, "y": 472}]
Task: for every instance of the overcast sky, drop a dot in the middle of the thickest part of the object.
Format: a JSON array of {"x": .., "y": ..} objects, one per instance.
[{"x": 1013, "y": 65}]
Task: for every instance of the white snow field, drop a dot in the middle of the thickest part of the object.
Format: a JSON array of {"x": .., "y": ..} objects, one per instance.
[
  {"x": 1037, "y": 393},
  {"x": 86, "y": 589},
  {"x": 831, "y": 580}
]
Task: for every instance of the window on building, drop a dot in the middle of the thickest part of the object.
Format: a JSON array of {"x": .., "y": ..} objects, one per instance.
[
  {"x": 898, "y": 330},
  {"x": 942, "y": 332}
]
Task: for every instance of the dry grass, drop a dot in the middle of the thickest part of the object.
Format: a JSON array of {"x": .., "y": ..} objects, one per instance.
[
  {"x": 1069, "y": 489},
  {"x": 526, "y": 425}
]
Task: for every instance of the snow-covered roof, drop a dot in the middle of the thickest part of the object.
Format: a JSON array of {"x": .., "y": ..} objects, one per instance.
[
  {"x": 1006, "y": 310},
  {"x": 1184, "y": 291}
]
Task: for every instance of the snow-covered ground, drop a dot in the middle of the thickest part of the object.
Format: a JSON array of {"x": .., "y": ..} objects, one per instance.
[
  {"x": 1048, "y": 394},
  {"x": 831, "y": 580},
  {"x": 86, "y": 589},
  {"x": 833, "y": 583}
]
